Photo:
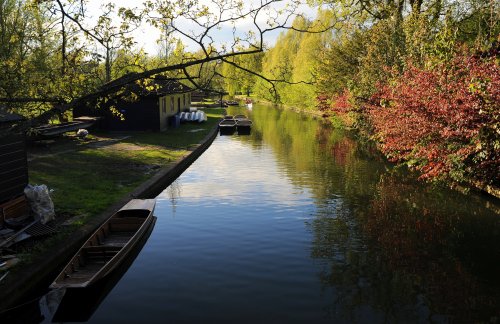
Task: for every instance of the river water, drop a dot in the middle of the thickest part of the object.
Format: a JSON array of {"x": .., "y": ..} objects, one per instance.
[{"x": 300, "y": 223}]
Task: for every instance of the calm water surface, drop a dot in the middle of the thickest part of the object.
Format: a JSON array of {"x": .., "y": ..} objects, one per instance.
[{"x": 299, "y": 223}]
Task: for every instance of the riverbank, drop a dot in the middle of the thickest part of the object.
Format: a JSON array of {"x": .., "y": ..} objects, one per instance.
[
  {"x": 478, "y": 186},
  {"x": 37, "y": 269}
]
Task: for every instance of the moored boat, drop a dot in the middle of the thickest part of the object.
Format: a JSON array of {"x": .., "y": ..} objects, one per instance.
[
  {"x": 240, "y": 117},
  {"x": 232, "y": 103},
  {"x": 244, "y": 126},
  {"x": 244, "y": 123},
  {"x": 227, "y": 125},
  {"x": 108, "y": 246}
]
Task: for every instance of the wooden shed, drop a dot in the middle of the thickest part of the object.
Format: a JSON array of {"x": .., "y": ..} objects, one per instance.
[
  {"x": 13, "y": 157},
  {"x": 157, "y": 101}
]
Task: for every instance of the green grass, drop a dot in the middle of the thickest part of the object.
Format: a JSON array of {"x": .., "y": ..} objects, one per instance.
[
  {"x": 183, "y": 137},
  {"x": 88, "y": 180}
]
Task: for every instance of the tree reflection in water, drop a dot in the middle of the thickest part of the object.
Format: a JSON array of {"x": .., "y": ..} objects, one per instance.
[
  {"x": 412, "y": 251},
  {"x": 447, "y": 246},
  {"x": 389, "y": 248}
]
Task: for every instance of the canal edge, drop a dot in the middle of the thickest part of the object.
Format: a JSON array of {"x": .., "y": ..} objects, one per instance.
[{"x": 37, "y": 276}]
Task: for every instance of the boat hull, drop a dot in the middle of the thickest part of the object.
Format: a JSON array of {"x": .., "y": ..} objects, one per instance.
[
  {"x": 227, "y": 125},
  {"x": 108, "y": 246}
]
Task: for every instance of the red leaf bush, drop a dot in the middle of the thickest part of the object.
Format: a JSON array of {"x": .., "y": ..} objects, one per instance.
[{"x": 444, "y": 121}]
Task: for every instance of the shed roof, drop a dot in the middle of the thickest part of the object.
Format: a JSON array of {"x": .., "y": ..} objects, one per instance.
[{"x": 157, "y": 86}]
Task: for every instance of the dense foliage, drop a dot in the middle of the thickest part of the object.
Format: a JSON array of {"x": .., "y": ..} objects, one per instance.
[
  {"x": 444, "y": 120},
  {"x": 419, "y": 78}
]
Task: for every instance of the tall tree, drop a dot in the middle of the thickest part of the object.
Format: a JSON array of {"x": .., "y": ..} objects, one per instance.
[{"x": 198, "y": 24}]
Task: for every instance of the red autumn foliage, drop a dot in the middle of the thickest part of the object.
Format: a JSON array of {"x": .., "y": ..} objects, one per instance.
[
  {"x": 342, "y": 103},
  {"x": 339, "y": 103},
  {"x": 444, "y": 120}
]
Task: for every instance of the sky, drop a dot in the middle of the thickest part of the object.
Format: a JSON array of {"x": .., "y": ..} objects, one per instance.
[{"x": 147, "y": 36}]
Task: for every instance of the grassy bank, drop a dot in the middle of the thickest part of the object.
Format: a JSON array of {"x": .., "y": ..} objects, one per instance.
[{"x": 88, "y": 176}]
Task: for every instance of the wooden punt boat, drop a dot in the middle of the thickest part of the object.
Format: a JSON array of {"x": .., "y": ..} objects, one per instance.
[
  {"x": 78, "y": 305},
  {"x": 227, "y": 124},
  {"x": 108, "y": 246},
  {"x": 243, "y": 124},
  {"x": 240, "y": 117}
]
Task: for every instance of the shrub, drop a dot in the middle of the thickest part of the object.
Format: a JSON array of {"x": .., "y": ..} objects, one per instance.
[{"x": 444, "y": 121}]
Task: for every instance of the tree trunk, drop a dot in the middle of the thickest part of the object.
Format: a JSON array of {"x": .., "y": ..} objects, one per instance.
[{"x": 108, "y": 64}]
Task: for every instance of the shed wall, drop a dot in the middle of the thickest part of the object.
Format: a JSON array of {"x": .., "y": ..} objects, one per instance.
[{"x": 13, "y": 167}]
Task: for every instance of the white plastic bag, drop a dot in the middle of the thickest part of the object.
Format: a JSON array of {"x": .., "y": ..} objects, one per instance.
[{"x": 40, "y": 202}]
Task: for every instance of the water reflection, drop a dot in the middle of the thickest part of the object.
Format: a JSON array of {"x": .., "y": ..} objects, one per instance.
[
  {"x": 442, "y": 242},
  {"x": 390, "y": 247}
]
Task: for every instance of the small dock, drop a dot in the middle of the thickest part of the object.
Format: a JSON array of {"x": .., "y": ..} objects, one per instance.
[{"x": 47, "y": 131}]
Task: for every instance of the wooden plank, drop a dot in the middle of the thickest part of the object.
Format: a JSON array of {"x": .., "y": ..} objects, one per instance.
[
  {"x": 15, "y": 208},
  {"x": 118, "y": 239},
  {"x": 17, "y": 155},
  {"x": 124, "y": 227},
  {"x": 127, "y": 220},
  {"x": 101, "y": 250}
]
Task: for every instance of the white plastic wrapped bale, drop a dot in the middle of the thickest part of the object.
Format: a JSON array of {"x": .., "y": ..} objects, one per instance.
[
  {"x": 40, "y": 202},
  {"x": 82, "y": 133}
]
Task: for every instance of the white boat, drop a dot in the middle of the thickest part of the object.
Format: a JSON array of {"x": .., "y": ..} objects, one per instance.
[
  {"x": 248, "y": 103},
  {"x": 183, "y": 116},
  {"x": 201, "y": 116}
]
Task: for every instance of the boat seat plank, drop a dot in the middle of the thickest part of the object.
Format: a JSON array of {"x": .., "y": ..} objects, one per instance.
[
  {"x": 118, "y": 239},
  {"x": 100, "y": 248},
  {"x": 83, "y": 272},
  {"x": 70, "y": 281},
  {"x": 127, "y": 220},
  {"x": 124, "y": 227}
]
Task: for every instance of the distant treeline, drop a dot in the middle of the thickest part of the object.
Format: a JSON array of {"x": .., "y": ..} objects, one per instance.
[{"x": 421, "y": 78}]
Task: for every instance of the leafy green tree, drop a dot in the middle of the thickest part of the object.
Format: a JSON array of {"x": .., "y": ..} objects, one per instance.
[
  {"x": 237, "y": 80},
  {"x": 69, "y": 53}
]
